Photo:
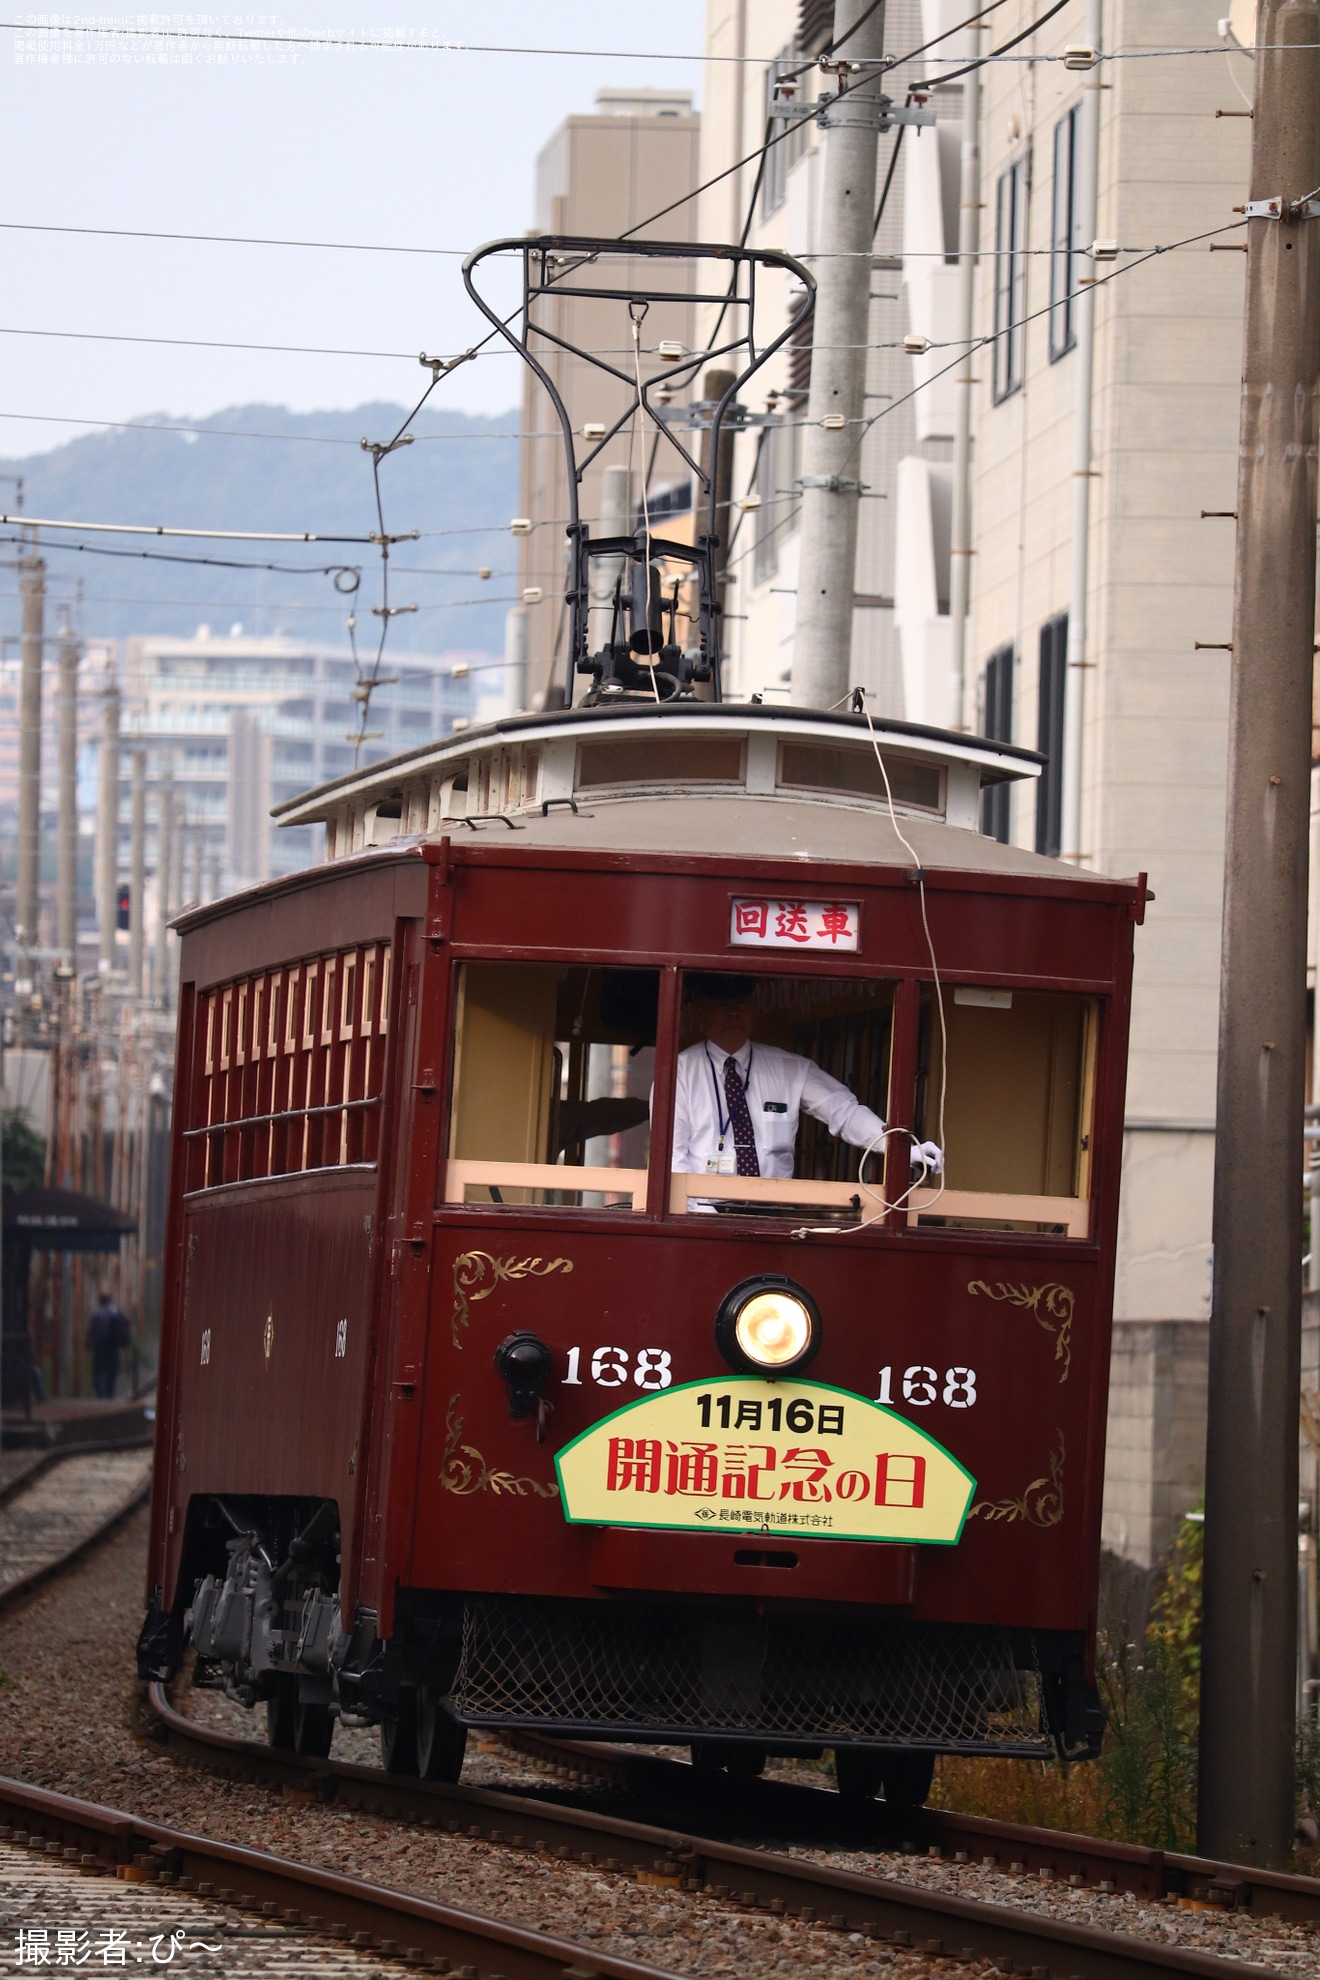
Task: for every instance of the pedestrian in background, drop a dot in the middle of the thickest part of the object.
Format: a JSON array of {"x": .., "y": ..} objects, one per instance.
[{"x": 108, "y": 1333}]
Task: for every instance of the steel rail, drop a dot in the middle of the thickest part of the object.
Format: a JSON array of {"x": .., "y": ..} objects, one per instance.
[
  {"x": 1124, "y": 1867},
  {"x": 36, "y": 1577},
  {"x": 904, "y": 1915},
  {"x": 394, "y": 1924}
]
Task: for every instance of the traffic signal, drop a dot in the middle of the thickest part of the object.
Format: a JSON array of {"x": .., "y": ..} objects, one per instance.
[{"x": 122, "y": 905}]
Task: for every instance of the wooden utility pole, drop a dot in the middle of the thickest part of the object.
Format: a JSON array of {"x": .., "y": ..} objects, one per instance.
[
  {"x": 1248, "y": 1686},
  {"x": 107, "y": 827},
  {"x": 32, "y": 591},
  {"x": 66, "y": 881}
]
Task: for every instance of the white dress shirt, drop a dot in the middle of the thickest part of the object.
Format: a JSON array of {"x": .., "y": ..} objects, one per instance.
[{"x": 780, "y": 1085}]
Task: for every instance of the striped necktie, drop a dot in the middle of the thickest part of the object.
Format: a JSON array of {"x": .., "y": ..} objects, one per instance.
[{"x": 740, "y": 1119}]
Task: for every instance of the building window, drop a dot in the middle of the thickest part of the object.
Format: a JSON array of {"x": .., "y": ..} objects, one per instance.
[
  {"x": 1010, "y": 278},
  {"x": 1064, "y": 244},
  {"x": 1049, "y": 734},
  {"x": 997, "y": 724},
  {"x": 787, "y": 121}
]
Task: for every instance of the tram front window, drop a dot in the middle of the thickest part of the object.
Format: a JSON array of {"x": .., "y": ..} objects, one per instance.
[
  {"x": 1018, "y": 1073},
  {"x": 553, "y": 1065},
  {"x": 780, "y": 1080}
]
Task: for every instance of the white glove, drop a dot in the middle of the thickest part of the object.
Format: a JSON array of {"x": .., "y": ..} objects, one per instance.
[{"x": 930, "y": 1153}]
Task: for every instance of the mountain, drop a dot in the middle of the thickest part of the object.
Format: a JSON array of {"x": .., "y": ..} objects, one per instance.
[{"x": 261, "y": 467}]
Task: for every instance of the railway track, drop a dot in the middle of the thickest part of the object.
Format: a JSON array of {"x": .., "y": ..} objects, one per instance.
[
  {"x": 246, "y": 1896},
  {"x": 1108, "y": 1866},
  {"x": 59, "y": 1508},
  {"x": 903, "y": 1915},
  {"x": 240, "y": 1894}
]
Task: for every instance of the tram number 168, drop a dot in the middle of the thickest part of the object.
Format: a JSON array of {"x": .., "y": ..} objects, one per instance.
[
  {"x": 611, "y": 1367},
  {"x": 920, "y": 1385}
]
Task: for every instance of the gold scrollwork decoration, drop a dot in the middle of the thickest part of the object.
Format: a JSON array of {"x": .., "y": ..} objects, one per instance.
[
  {"x": 1050, "y": 1305},
  {"x": 477, "y": 1273},
  {"x": 1041, "y": 1504},
  {"x": 463, "y": 1470}
]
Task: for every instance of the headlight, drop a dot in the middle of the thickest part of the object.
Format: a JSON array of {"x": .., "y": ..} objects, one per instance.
[{"x": 768, "y": 1326}]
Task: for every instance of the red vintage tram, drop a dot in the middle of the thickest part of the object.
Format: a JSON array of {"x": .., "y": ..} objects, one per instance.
[
  {"x": 452, "y": 1430},
  {"x": 490, "y": 1394}
]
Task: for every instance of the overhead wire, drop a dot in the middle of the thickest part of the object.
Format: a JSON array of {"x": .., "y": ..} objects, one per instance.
[
  {"x": 243, "y": 433},
  {"x": 226, "y": 240},
  {"x": 440, "y": 368},
  {"x": 964, "y": 350},
  {"x": 367, "y": 43},
  {"x": 223, "y": 344},
  {"x": 1014, "y": 41}
]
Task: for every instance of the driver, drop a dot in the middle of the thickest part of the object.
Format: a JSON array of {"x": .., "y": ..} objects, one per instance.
[{"x": 737, "y": 1106}]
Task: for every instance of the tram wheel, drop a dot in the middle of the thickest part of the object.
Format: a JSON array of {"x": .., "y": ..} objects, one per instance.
[
  {"x": 281, "y": 1707},
  {"x": 398, "y": 1737},
  {"x": 858, "y": 1773},
  {"x": 313, "y": 1730},
  {"x": 441, "y": 1740},
  {"x": 907, "y": 1778}
]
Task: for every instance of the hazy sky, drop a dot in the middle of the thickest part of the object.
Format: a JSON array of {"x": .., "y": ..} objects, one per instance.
[{"x": 418, "y": 148}]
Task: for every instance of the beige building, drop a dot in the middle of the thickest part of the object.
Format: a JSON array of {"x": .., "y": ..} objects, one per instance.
[
  {"x": 783, "y": 211},
  {"x": 1166, "y": 390},
  {"x": 599, "y": 176},
  {"x": 1167, "y": 373}
]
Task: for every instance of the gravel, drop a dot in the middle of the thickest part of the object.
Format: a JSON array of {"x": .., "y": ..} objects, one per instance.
[{"x": 70, "y": 1719}]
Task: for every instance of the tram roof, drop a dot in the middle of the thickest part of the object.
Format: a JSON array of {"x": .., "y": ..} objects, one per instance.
[
  {"x": 747, "y": 779},
  {"x": 738, "y": 780},
  {"x": 763, "y": 828},
  {"x": 994, "y": 762}
]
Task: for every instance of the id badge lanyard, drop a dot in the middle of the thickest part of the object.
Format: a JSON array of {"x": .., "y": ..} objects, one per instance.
[{"x": 722, "y": 1164}]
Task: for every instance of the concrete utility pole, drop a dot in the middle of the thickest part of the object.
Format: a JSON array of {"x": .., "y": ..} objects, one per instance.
[
  {"x": 107, "y": 827},
  {"x": 1249, "y": 1631},
  {"x": 1087, "y": 166},
  {"x": 969, "y": 229},
  {"x": 137, "y": 873},
  {"x": 831, "y": 457},
  {"x": 32, "y": 591},
  {"x": 66, "y": 881}
]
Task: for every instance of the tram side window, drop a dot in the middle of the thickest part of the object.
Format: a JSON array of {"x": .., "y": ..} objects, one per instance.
[
  {"x": 553, "y": 1064},
  {"x": 1018, "y": 1077},
  {"x": 783, "y": 1133}
]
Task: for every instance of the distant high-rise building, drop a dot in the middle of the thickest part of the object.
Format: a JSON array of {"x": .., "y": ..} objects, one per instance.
[{"x": 239, "y": 723}]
